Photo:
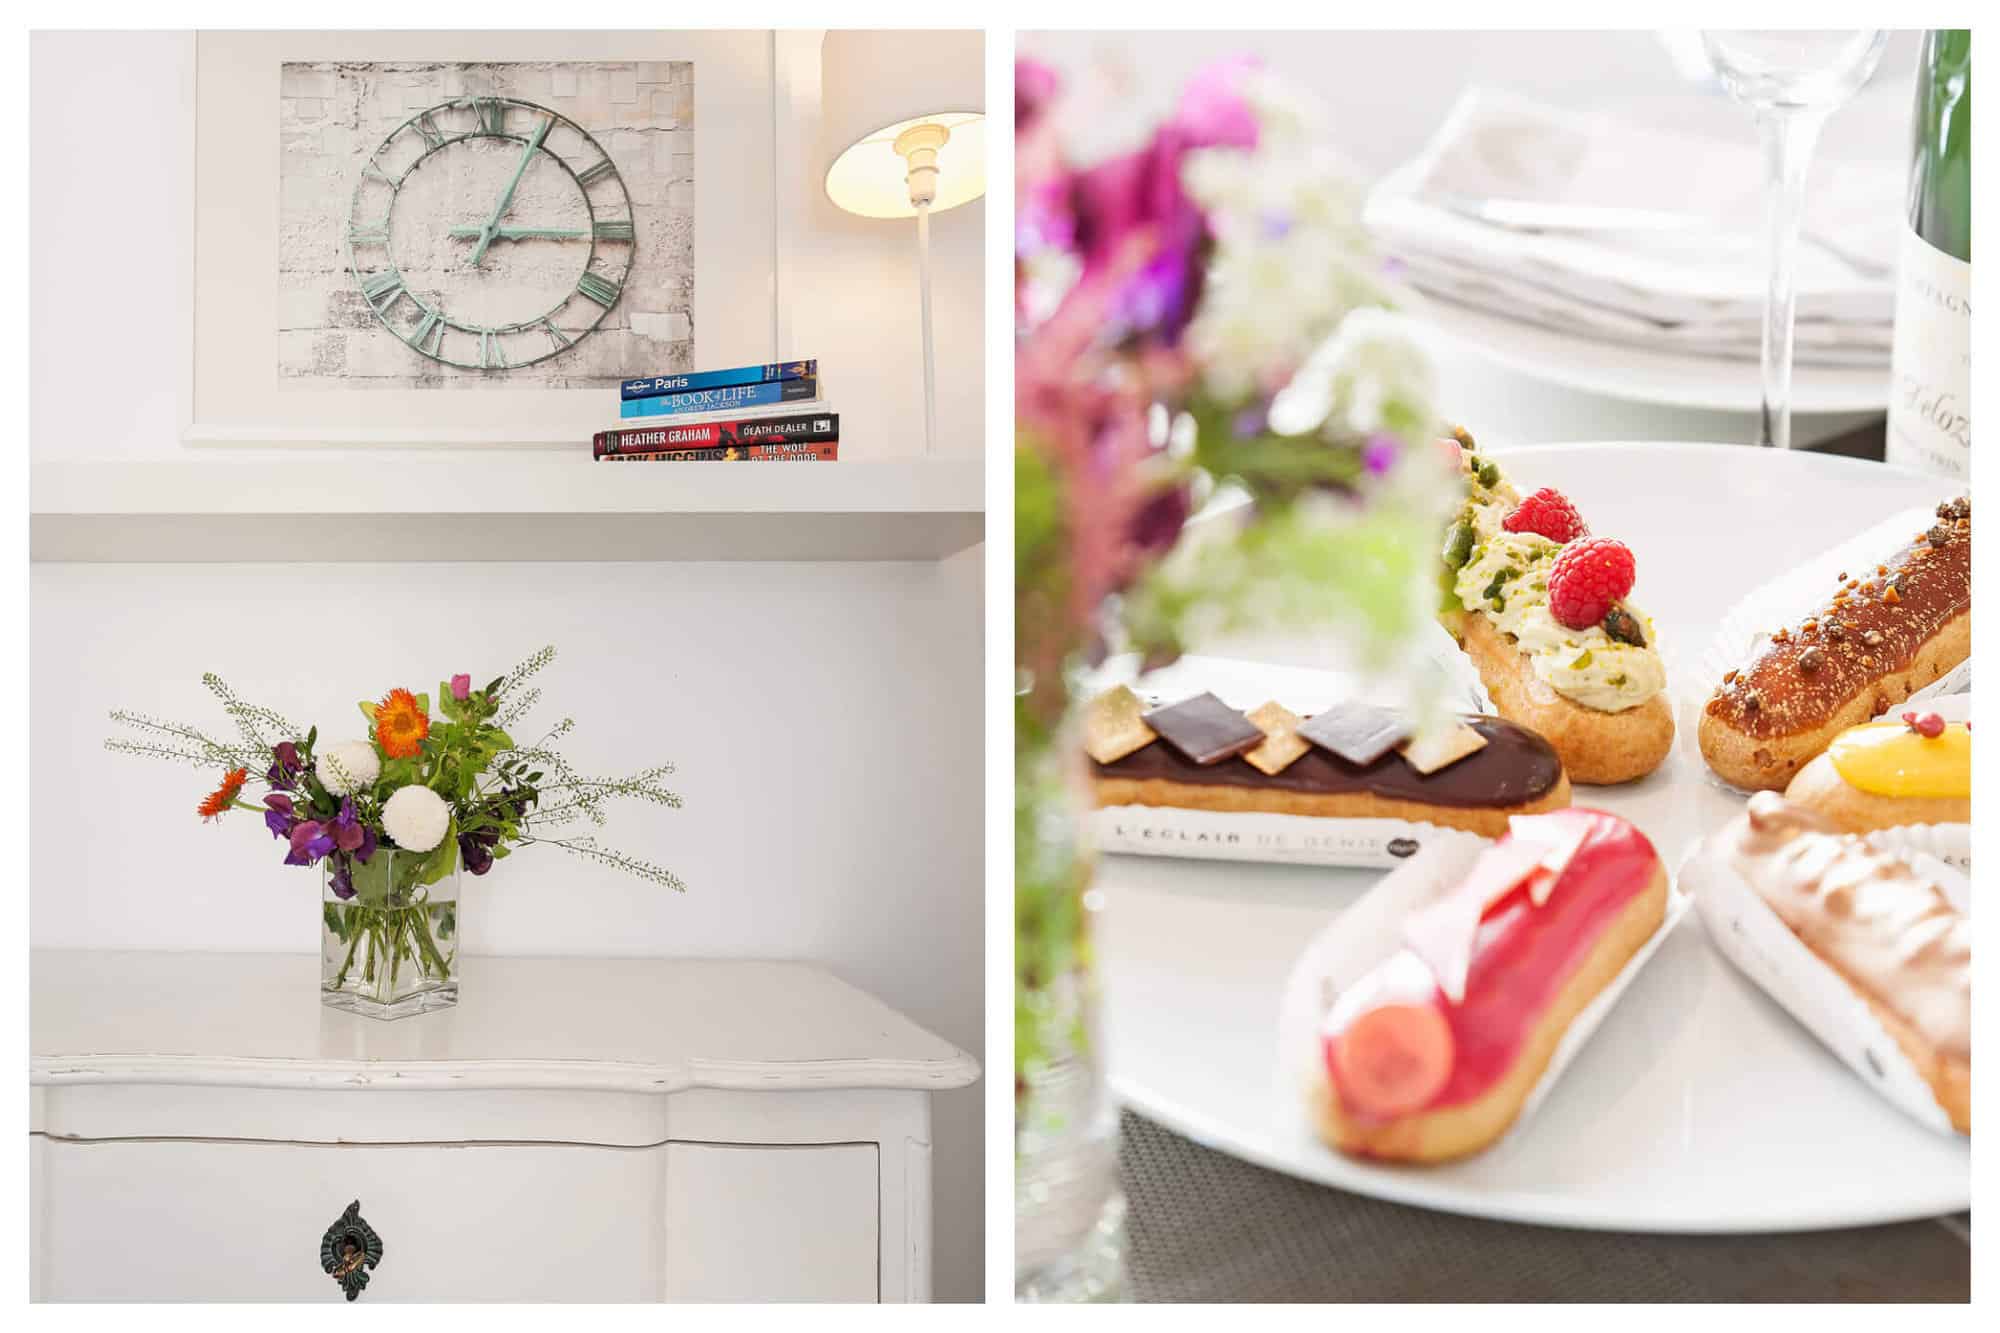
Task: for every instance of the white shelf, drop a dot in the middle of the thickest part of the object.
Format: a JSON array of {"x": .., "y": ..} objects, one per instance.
[{"x": 501, "y": 508}]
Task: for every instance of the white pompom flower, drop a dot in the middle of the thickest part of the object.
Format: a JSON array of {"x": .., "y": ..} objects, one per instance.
[
  {"x": 347, "y": 766},
  {"x": 416, "y": 818}
]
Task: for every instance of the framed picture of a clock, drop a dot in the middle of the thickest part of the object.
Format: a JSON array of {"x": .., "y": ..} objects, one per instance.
[
  {"x": 521, "y": 219},
  {"x": 488, "y": 237}
]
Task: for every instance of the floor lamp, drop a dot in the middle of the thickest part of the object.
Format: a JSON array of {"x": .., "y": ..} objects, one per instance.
[{"x": 905, "y": 138}]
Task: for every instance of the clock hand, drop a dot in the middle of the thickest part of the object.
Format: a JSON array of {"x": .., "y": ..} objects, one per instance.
[
  {"x": 517, "y": 233},
  {"x": 507, "y": 197}
]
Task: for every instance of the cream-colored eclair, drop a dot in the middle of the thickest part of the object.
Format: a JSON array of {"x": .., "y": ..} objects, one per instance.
[
  {"x": 1431, "y": 1055},
  {"x": 1881, "y": 926}
]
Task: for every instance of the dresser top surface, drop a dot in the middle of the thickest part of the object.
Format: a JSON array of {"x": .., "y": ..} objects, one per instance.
[{"x": 633, "y": 1024}]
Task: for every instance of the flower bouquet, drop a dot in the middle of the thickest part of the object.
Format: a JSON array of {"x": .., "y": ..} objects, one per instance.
[
  {"x": 1199, "y": 316},
  {"x": 392, "y": 818}
]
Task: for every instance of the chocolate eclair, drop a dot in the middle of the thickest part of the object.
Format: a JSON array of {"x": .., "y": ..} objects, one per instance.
[{"x": 1353, "y": 762}]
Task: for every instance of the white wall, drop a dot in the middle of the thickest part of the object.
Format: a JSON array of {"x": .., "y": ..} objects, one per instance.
[
  {"x": 111, "y": 283},
  {"x": 826, "y": 718}
]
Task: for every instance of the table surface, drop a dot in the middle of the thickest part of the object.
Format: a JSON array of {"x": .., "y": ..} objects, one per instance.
[
  {"x": 652, "y": 1025},
  {"x": 1204, "y": 1226}
]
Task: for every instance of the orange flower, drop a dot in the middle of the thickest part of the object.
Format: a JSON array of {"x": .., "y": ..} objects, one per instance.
[
  {"x": 224, "y": 796},
  {"x": 401, "y": 724}
]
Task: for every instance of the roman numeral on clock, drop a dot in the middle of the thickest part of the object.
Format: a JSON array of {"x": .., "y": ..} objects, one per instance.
[
  {"x": 599, "y": 289},
  {"x": 594, "y": 173},
  {"x": 619, "y": 229},
  {"x": 428, "y": 336},
  {"x": 492, "y": 113},
  {"x": 425, "y": 126},
  {"x": 555, "y": 334},
  {"x": 381, "y": 289},
  {"x": 492, "y": 356}
]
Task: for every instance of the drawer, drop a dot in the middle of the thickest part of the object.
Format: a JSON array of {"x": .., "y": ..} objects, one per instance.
[{"x": 200, "y": 1219}]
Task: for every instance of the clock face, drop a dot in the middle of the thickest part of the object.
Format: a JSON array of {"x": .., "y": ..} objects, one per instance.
[{"x": 489, "y": 233}]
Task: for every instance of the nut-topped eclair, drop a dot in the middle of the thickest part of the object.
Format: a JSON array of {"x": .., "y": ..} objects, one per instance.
[
  {"x": 1539, "y": 605},
  {"x": 1881, "y": 634},
  {"x": 1354, "y": 761}
]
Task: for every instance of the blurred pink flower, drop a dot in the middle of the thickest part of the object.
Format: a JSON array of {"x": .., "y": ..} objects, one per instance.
[{"x": 461, "y": 686}]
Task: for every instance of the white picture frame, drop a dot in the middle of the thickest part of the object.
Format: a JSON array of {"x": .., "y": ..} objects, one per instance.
[{"x": 234, "y": 396}]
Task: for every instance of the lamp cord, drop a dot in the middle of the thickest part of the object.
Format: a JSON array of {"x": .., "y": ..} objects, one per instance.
[{"x": 930, "y": 369}]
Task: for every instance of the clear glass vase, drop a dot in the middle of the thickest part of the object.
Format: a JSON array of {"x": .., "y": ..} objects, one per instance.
[
  {"x": 389, "y": 932},
  {"x": 1068, "y": 1213}
]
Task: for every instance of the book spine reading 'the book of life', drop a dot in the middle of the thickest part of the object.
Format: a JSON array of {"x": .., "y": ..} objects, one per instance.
[
  {"x": 743, "y": 453},
  {"x": 655, "y": 386},
  {"x": 814, "y": 428},
  {"x": 733, "y": 398}
]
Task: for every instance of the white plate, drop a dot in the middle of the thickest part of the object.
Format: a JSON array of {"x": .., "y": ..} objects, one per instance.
[
  {"x": 1700, "y": 1105},
  {"x": 1645, "y": 375}
]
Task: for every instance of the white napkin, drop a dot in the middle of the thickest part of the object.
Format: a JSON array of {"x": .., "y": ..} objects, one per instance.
[{"x": 1698, "y": 289}]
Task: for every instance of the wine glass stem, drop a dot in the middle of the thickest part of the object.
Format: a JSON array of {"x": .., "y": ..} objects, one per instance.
[{"x": 1788, "y": 135}]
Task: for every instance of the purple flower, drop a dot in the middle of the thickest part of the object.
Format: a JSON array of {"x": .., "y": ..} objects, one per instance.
[
  {"x": 1157, "y": 525},
  {"x": 1035, "y": 87},
  {"x": 279, "y": 817},
  {"x": 474, "y": 852},
  {"x": 283, "y": 774},
  {"x": 310, "y": 841},
  {"x": 1213, "y": 112},
  {"x": 342, "y": 881},
  {"x": 346, "y": 829},
  {"x": 461, "y": 686},
  {"x": 1378, "y": 455},
  {"x": 1141, "y": 191}
]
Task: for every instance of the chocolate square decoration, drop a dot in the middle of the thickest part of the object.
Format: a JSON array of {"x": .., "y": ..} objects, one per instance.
[
  {"x": 1205, "y": 729},
  {"x": 1358, "y": 733}
]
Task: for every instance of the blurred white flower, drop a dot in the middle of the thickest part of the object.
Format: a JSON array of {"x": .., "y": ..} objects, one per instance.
[
  {"x": 415, "y": 818},
  {"x": 347, "y": 766},
  {"x": 1291, "y": 256},
  {"x": 1371, "y": 376}
]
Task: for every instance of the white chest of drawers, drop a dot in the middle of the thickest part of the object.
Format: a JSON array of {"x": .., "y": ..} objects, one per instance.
[{"x": 575, "y": 1130}]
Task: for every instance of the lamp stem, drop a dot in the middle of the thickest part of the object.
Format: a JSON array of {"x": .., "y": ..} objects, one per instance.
[{"x": 930, "y": 368}]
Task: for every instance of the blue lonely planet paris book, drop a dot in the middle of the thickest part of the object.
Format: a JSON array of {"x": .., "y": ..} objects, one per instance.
[{"x": 731, "y": 399}]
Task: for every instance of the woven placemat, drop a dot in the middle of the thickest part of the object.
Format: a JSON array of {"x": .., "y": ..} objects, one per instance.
[{"x": 1203, "y": 1226}]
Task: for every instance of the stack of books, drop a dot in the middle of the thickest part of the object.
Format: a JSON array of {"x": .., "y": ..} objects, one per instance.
[{"x": 709, "y": 418}]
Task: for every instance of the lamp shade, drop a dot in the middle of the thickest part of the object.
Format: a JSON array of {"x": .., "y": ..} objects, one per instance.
[{"x": 877, "y": 83}]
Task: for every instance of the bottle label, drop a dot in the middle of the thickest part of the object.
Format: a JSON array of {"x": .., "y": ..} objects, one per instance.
[{"x": 1930, "y": 389}]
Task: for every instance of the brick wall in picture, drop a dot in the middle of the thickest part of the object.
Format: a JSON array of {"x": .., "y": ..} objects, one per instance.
[{"x": 333, "y": 115}]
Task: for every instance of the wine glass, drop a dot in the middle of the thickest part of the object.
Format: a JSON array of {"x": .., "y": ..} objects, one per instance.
[{"x": 1792, "y": 80}]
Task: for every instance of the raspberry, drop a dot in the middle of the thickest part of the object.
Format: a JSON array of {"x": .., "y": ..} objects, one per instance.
[
  {"x": 1549, "y": 512},
  {"x": 1587, "y": 579},
  {"x": 1928, "y": 725}
]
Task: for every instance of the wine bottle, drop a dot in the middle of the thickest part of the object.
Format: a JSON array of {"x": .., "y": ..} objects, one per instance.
[{"x": 1930, "y": 404}]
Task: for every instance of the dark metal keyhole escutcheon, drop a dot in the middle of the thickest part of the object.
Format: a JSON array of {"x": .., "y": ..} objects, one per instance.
[{"x": 349, "y": 1250}]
